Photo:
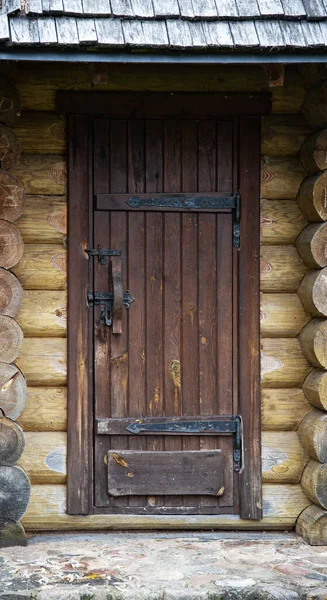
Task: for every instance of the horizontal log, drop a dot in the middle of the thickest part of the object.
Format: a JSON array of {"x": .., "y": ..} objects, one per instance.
[
  {"x": 283, "y": 409},
  {"x": 312, "y": 526},
  {"x": 313, "y": 434},
  {"x": 42, "y": 173},
  {"x": 281, "y": 315},
  {"x": 314, "y": 483},
  {"x": 43, "y": 313},
  {"x": 312, "y": 197},
  {"x": 11, "y": 245},
  {"x": 15, "y": 492},
  {"x": 11, "y": 442},
  {"x": 46, "y": 409},
  {"x": 11, "y": 293},
  {"x": 311, "y": 245},
  {"x": 44, "y": 457},
  {"x": 281, "y": 221},
  {"x": 313, "y": 339},
  {"x": 44, "y": 220},
  {"x": 13, "y": 391},
  {"x": 313, "y": 154},
  {"x": 12, "y": 196},
  {"x": 281, "y": 269},
  {"x": 10, "y": 148},
  {"x": 282, "y": 363},
  {"x": 41, "y": 133},
  {"x": 314, "y": 106},
  {"x": 11, "y": 338},
  {"x": 283, "y": 135},
  {"x": 281, "y": 177},
  {"x": 9, "y": 102},
  {"x": 40, "y": 95},
  {"x": 283, "y": 457},
  {"x": 313, "y": 292},
  {"x": 43, "y": 267},
  {"x": 47, "y": 511},
  {"x": 43, "y": 361},
  {"x": 315, "y": 388}
]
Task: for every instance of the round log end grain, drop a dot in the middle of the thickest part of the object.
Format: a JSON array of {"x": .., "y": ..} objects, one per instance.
[
  {"x": 11, "y": 293},
  {"x": 11, "y": 337},
  {"x": 313, "y": 340},
  {"x": 15, "y": 492},
  {"x": 313, "y": 434},
  {"x": 12, "y": 534},
  {"x": 9, "y": 103},
  {"x": 312, "y": 245},
  {"x": 314, "y": 483},
  {"x": 315, "y": 388},
  {"x": 12, "y": 442},
  {"x": 13, "y": 391},
  {"x": 312, "y": 197},
  {"x": 313, "y": 153},
  {"x": 10, "y": 148},
  {"x": 12, "y": 196},
  {"x": 11, "y": 245},
  {"x": 313, "y": 292},
  {"x": 312, "y": 525}
]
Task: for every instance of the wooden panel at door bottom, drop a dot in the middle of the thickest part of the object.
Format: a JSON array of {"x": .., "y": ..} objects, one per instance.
[{"x": 133, "y": 472}]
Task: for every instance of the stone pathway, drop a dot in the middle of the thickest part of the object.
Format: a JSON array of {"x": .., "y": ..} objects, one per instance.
[{"x": 159, "y": 566}]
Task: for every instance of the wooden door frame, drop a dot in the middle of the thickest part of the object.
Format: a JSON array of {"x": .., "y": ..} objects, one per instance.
[{"x": 80, "y": 107}]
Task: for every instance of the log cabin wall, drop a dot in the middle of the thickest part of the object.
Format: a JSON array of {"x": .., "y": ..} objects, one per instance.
[{"x": 42, "y": 271}]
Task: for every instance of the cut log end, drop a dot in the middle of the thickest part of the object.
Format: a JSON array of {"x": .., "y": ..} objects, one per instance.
[
  {"x": 313, "y": 435},
  {"x": 11, "y": 293},
  {"x": 12, "y": 442},
  {"x": 12, "y": 534},
  {"x": 10, "y": 148},
  {"x": 313, "y": 153},
  {"x": 313, "y": 340},
  {"x": 312, "y": 197},
  {"x": 312, "y": 245},
  {"x": 314, "y": 483},
  {"x": 315, "y": 388},
  {"x": 15, "y": 492},
  {"x": 11, "y": 337},
  {"x": 11, "y": 245},
  {"x": 313, "y": 292},
  {"x": 312, "y": 525},
  {"x": 12, "y": 195}
]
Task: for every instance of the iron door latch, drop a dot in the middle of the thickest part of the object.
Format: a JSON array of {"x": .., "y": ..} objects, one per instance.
[
  {"x": 228, "y": 425},
  {"x": 106, "y": 300},
  {"x": 102, "y": 254}
]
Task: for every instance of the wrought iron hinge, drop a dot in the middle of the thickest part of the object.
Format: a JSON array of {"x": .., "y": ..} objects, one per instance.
[
  {"x": 227, "y": 425},
  {"x": 105, "y": 300},
  {"x": 237, "y": 221},
  {"x": 102, "y": 254}
]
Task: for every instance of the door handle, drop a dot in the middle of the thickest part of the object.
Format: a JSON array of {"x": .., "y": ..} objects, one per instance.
[{"x": 118, "y": 295}]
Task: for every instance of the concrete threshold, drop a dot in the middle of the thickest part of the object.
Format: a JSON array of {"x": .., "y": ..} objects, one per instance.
[{"x": 164, "y": 566}]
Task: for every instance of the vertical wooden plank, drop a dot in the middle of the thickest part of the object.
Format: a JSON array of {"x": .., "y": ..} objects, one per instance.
[
  {"x": 79, "y": 371},
  {"x": 101, "y": 161},
  {"x": 118, "y": 241},
  {"x": 136, "y": 284},
  {"x": 173, "y": 364},
  {"x": 225, "y": 156},
  {"x": 249, "y": 388}
]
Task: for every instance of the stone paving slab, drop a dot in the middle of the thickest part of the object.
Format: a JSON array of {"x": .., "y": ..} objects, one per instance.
[{"x": 159, "y": 566}]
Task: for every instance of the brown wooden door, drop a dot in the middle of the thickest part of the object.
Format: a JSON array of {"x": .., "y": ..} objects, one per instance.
[{"x": 174, "y": 356}]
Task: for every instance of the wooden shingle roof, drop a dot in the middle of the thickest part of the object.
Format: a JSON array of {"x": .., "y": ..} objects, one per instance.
[{"x": 165, "y": 24}]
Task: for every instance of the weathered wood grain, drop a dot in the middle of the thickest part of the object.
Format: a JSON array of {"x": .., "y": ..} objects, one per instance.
[
  {"x": 42, "y": 174},
  {"x": 312, "y": 525},
  {"x": 43, "y": 267},
  {"x": 11, "y": 442},
  {"x": 10, "y": 148},
  {"x": 313, "y": 154},
  {"x": 43, "y": 361},
  {"x": 281, "y": 177},
  {"x": 41, "y": 133},
  {"x": 43, "y": 313},
  {"x": 283, "y": 409},
  {"x": 46, "y": 409},
  {"x": 12, "y": 196},
  {"x": 11, "y": 245},
  {"x": 314, "y": 483},
  {"x": 281, "y": 221},
  {"x": 13, "y": 390},
  {"x": 283, "y": 135},
  {"x": 282, "y": 363},
  {"x": 283, "y": 457},
  {"x": 44, "y": 220},
  {"x": 281, "y": 269},
  {"x": 312, "y": 245},
  {"x": 11, "y": 338},
  {"x": 47, "y": 511},
  {"x": 15, "y": 492},
  {"x": 312, "y": 197},
  {"x": 44, "y": 457},
  {"x": 281, "y": 315}
]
